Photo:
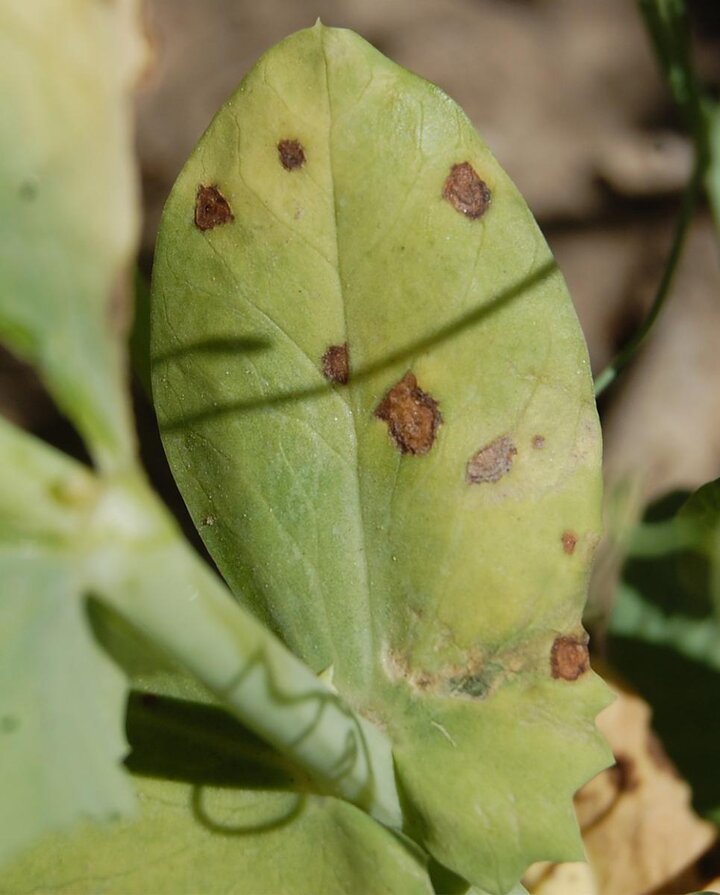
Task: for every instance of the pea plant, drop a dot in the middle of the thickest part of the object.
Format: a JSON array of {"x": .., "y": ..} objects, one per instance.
[{"x": 376, "y": 401}]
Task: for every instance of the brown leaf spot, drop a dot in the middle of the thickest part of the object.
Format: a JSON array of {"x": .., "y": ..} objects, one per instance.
[
  {"x": 211, "y": 208},
  {"x": 569, "y": 657},
  {"x": 538, "y": 442},
  {"x": 569, "y": 541},
  {"x": 491, "y": 462},
  {"x": 411, "y": 414},
  {"x": 291, "y": 153},
  {"x": 466, "y": 192},
  {"x": 336, "y": 364}
]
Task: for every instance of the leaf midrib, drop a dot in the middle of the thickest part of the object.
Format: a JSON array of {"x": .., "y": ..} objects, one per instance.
[{"x": 368, "y": 654}]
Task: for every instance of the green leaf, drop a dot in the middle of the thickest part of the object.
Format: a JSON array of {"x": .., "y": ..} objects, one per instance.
[
  {"x": 664, "y": 637},
  {"x": 68, "y": 190},
  {"x": 220, "y": 812},
  {"x": 425, "y": 530},
  {"x": 219, "y": 840},
  {"x": 702, "y": 511},
  {"x": 61, "y": 700}
]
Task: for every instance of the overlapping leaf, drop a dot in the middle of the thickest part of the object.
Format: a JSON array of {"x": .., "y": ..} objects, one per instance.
[
  {"x": 69, "y": 198},
  {"x": 376, "y": 399},
  {"x": 219, "y": 812},
  {"x": 68, "y": 228},
  {"x": 62, "y": 702}
]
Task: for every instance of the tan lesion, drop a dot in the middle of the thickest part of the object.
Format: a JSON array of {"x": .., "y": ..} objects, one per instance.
[
  {"x": 466, "y": 191},
  {"x": 492, "y": 461},
  {"x": 412, "y": 415}
]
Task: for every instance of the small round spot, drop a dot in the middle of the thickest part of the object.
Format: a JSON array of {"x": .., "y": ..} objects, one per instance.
[
  {"x": 466, "y": 192},
  {"x": 538, "y": 442},
  {"x": 211, "y": 208},
  {"x": 336, "y": 364},
  {"x": 292, "y": 154},
  {"x": 491, "y": 462},
  {"x": 569, "y": 542}
]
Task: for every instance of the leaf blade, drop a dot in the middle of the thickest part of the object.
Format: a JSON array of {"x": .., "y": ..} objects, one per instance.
[
  {"x": 69, "y": 190},
  {"x": 62, "y": 704},
  {"x": 391, "y": 561}
]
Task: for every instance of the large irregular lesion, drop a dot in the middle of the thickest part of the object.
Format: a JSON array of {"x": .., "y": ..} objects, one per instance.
[
  {"x": 412, "y": 415},
  {"x": 478, "y": 672}
]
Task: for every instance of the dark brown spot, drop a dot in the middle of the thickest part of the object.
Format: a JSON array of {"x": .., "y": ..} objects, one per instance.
[
  {"x": 623, "y": 773},
  {"x": 569, "y": 657},
  {"x": 491, "y": 462},
  {"x": 291, "y": 153},
  {"x": 336, "y": 364},
  {"x": 411, "y": 414},
  {"x": 466, "y": 192},
  {"x": 211, "y": 208},
  {"x": 569, "y": 541},
  {"x": 538, "y": 442}
]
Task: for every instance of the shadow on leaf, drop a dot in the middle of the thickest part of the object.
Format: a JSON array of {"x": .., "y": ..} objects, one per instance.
[{"x": 442, "y": 334}]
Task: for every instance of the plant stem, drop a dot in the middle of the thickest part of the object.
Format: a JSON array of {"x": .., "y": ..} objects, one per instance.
[
  {"x": 668, "y": 28},
  {"x": 623, "y": 358},
  {"x": 129, "y": 554},
  {"x": 140, "y": 565}
]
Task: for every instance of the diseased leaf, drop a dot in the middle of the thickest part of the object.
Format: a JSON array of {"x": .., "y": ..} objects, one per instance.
[
  {"x": 376, "y": 399},
  {"x": 69, "y": 197}
]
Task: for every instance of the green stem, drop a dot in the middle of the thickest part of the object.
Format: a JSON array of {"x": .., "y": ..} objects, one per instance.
[
  {"x": 141, "y": 567},
  {"x": 667, "y": 25},
  {"x": 128, "y": 553},
  {"x": 623, "y": 358}
]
